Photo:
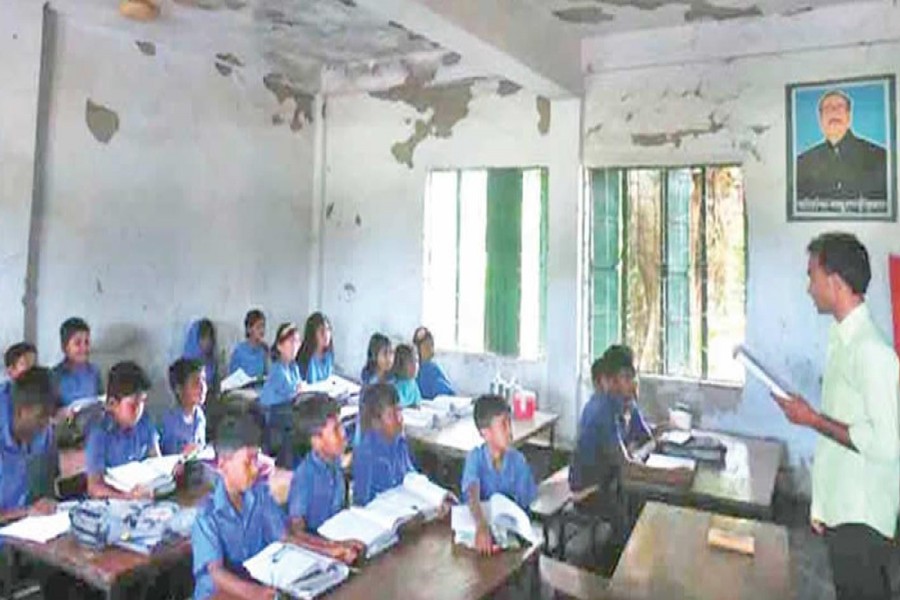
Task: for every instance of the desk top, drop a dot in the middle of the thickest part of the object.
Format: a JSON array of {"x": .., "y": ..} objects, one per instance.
[
  {"x": 426, "y": 565},
  {"x": 460, "y": 437},
  {"x": 744, "y": 485},
  {"x": 667, "y": 556}
]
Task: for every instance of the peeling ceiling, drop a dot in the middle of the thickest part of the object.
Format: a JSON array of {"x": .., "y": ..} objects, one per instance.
[{"x": 593, "y": 17}]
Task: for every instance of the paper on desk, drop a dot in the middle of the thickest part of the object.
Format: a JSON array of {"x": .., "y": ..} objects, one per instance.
[
  {"x": 661, "y": 461},
  {"x": 236, "y": 381},
  {"x": 38, "y": 529},
  {"x": 756, "y": 368},
  {"x": 335, "y": 387},
  {"x": 679, "y": 438}
]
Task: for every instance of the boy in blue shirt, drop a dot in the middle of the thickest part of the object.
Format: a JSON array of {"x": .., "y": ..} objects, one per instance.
[
  {"x": 18, "y": 359},
  {"x": 75, "y": 376},
  {"x": 317, "y": 488},
  {"x": 381, "y": 459},
  {"x": 184, "y": 425},
  {"x": 494, "y": 467},
  {"x": 252, "y": 355},
  {"x": 123, "y": 434},
  {"x": 28, "y": 458},
  {"x": 431, "y": 378}
]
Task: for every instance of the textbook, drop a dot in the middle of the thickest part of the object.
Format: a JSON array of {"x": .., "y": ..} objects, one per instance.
[
  {"x": 335, "y": 386},
  {"x": 154, "y": 473},
  {"x": 504, "y": 517},
  {"x": 743, "y": 355},
  {"x": 296, "y": 571},
  {"x": 237, "y": 380},
  {"x": 40, "y": 529},
  {"x": 378, "y": 523}
]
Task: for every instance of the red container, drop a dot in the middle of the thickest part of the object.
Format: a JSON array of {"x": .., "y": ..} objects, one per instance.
[{"x": 524, "y": 403}]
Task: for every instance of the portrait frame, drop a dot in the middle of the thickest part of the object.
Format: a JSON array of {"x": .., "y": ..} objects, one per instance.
[{"x": 873, "y": 120}]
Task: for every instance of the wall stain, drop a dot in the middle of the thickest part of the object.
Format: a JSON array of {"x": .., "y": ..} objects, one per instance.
[
  {"x": 99, "y": 287},
  {"x": 213, "y": 4},
  {"x": 358, "y": 220},
  {"x": 448, "y": 103},
  {"x": 451, "y": 58},
  {"x": 760, "y": 129},
  {"x": 697, "y": 10},
  {"x": 223, "y": 69},
  {"x": 594, "y": 130},
  {"x": 508, "y": 88},
  {"x": 349, "y": 292},
  {"x": 583, "y": 14},
  {"x": 750, "y": 148},
  {"x": 412, "y": 35},
  {"x": 329, "y": 210},
  {"x": 283, "y": 90},
  {"x": 147, "y": 48},
  {"x": 102, "y": 121},
  {"x": 544, "y": 113},
  {"x": 229, "y": 59},
  {"x": 277, "y": 119},
  {"x": 676, "y": 137}
]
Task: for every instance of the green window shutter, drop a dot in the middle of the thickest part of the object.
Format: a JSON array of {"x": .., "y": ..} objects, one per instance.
[
  {"x": 545, "y": 245},
  {"x": 504, "y": 257},
  {"x": 606, "y": 193},
  {"x": 677, "y": 316}
]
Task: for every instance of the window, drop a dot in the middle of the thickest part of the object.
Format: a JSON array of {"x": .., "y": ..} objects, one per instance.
[
  {"x": 485, "y": 259},
  {"x": 667, "y": 258}
]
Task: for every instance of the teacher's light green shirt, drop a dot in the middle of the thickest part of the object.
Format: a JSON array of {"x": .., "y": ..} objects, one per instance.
[{"x": 861, "y": 388}]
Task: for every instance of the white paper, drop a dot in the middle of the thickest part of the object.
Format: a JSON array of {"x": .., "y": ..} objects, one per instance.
[
  {"x": 661, "y": 461},
  {"x": 755, "y": 368},
  {"x": 279, "y": 565},
  {"x": 38, "y": 529},
  {"x": 236, "y": 381},
  {"x": 335, "y": 386},
  {"x": 679, "y": 438}
]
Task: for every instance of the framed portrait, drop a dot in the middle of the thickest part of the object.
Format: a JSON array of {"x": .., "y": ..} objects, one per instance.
[{"x": 842, "y": 150}]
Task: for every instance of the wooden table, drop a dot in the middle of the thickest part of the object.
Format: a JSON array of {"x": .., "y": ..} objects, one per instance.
[
  {"x": 426, "y": 565},
  {"x": 744, "y": 486},
  {"x": 667, "y": 557},
  {"x": 112, "y": 569},
  {"x": 458, "y": 438}
]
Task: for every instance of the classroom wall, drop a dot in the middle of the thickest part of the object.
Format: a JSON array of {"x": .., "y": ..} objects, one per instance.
[
  {"x": 713, "y": 93},
  {"x": 172, "y": 190},
  {"x": 372, "y": 232}
]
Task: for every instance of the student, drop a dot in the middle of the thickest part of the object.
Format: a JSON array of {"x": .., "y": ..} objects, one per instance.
[
  {"x": 252, "y": 355},
  {"x": 281, "y": 387},
  {"x": 18, "y": 359},
  {"x": 124, "y": 433},
  {"x": 317, "y": 488},
  {"x": 238, "y": 519},
  {"x": 379, "y": 360},
  {"x": 406, "y": 365},
  {"x": 381, "y": 459},
  {"x": 201, "y": 344},
  {"x": 431, "y": 378},
  {"x": 494, "y": 467},
  {"x": 184, "y": 425},
  {"x": 28, "y": 458},
  {"x": 316, "y": 358},
  {"x": 75, "y": 377}
]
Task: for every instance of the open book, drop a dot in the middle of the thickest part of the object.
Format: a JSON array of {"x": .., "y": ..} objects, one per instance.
[
  {"x": 237, "y": 380},
  {"x": 153, "y": 473},
  {"x": 39, "y": 529},
  {"x": 743, "y": 355},
  {"x": 335, "y": 387},
  {"x": 504, "y": 516},
  {"x": 298, "y": 572},
  {"x": 377, "y": 524}
]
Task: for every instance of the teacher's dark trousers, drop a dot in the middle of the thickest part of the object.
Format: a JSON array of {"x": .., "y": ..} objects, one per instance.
[{"x": 859, "y": 558}]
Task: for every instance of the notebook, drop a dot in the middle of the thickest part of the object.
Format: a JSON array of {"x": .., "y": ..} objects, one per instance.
[
  {"x": 299, "y": 572},
  {"x": 38, "y": 529},
  {"x": 154, "y": 473},
  {"x": 504, "y": 517}
]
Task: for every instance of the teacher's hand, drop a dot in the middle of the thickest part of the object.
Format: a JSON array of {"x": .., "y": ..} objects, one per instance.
[{"x": 797, "y": 410}]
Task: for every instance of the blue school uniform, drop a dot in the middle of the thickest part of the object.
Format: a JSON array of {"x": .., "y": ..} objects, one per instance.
[
  {"x": 74, "y": 382},
  {"x": 177, "y": 432},
  {"x": 109, "y": 445},
  {"x": 408, "y": 390},
  {"x": 379, "y": 464},
  {"x": 319, "y": 368},
  {"x": 253, "y": 359},
  {"x": 317, "y": 490},
  {"x": 192, "y": 350},
  {"x": 514, "y": 479},
  {"x": 432, "y": 381},
  {"x": 27, "y": 471},
  {"x": 601, "y": 432},
  {"x": 222, "y": 534},
  {"x": 5, "y": 402},
  {"x": 281, "y": 384}
]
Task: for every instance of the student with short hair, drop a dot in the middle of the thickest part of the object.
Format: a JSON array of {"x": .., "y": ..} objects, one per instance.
[
  {"x": 18, "y": 359},
  {"x": 252, "y": 354},
  {"x": 123, "y": 434},
  {"x": 495, "y": 467},
  {"x": 282, "y": 386},
  {"x": 379, "y": 360},
  {"x": 184, "y": 425},
  {"x": 406, "y": 366},
  {"x": 317, "y": 488},
  {"x": 431, "y": 378},
  {"x": 316, "y": 357},
  {"x": 381, "y": 459},
  {"x": 75, "y": 376},
  {"x": 200, "y": 344},
  {"x": 29, "y": 462}
]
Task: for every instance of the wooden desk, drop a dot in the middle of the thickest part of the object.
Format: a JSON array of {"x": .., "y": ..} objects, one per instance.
[
  {"x": 458, "y": 438},
  {"x": 112, "y": 569},
  {"x": 668, "y": 557},
  {"x": 426, "y": 565},
  {"x": 744, "y": 486}
]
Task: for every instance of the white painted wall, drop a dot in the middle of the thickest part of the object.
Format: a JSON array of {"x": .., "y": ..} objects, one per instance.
[
  {"x": 373, "y": 273},
  {"x": 198, "y": 206},
  {"x": 736, "y": 74}
]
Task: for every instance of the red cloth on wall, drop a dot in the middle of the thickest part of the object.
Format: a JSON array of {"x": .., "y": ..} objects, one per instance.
[{"x": 894, "y": 268}]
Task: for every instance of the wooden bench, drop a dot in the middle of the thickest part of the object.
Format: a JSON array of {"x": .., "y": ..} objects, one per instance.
[
  {"x": 570, "y": 581},
  {"x": 553, "y": 498}
]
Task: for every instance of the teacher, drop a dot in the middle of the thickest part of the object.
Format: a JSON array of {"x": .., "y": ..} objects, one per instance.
[{"x": 856, "y": 469}]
